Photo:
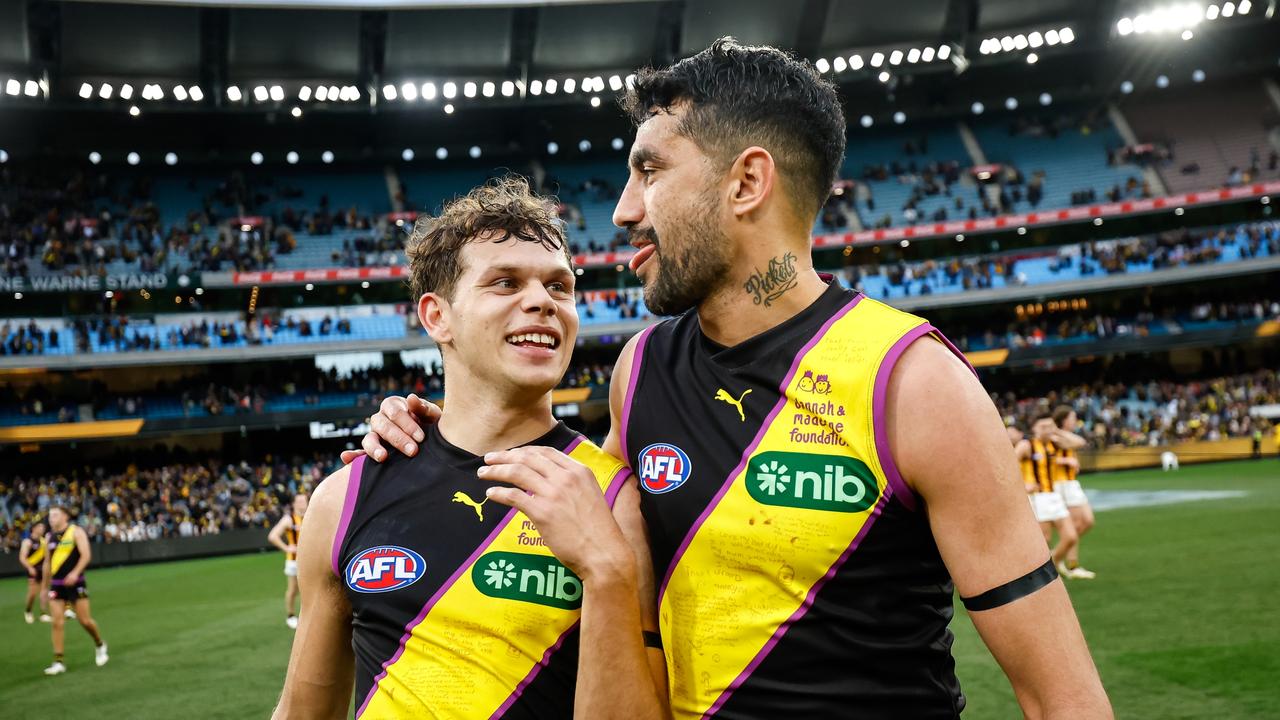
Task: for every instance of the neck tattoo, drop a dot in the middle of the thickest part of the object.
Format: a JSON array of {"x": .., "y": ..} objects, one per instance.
[{"x": 767, "y": 286}]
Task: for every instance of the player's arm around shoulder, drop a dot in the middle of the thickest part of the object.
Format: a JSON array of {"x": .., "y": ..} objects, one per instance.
[
  {"x": 986, "y": 533},
  {"x": 321, "y": 666}
]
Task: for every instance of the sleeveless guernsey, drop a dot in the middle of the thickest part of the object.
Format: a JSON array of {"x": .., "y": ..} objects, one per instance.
[
  {"x": 799, "y": 577},
  {"x": 459, "y": 608}
]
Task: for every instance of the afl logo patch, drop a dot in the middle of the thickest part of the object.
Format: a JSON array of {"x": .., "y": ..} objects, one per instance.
[
  {"x": 383, "y": 569},
  {"x": 663, "y": 468}
]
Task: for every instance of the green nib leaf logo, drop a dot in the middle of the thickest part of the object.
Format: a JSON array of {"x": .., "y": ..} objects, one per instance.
[
  {"x": 773, "y": 478},
  {"x": 500, "y": 574}
]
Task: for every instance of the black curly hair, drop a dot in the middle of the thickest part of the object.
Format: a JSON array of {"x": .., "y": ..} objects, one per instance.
[{"x": 740, "y": 96}]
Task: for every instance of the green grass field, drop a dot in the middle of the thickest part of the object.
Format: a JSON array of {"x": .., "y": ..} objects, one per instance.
[{"x": 1182, "y": 620}]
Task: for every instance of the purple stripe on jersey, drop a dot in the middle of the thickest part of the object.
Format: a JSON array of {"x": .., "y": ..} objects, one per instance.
[
  {"x": 800, "y": 611},
  {"x": 878, "y": 397},
  {"x": 630, "y": 392},
  {"x": 408, "y": 629},
  {"x": 348, "y": 509},
  {"x": 746, "y": 454},
  {"x": 464, "y": 567},
  {"x": 533, "y": 673},
  {"x": 573, "y": 445},
  {"x": 615, "y": 485}
]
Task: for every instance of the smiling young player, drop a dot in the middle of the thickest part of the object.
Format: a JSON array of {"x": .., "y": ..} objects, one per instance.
[{"x": 438, "y": 601}]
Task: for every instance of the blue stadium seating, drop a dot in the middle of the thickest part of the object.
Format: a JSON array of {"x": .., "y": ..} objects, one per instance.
[
  {"x": 886, "y": 146},
  {"x": 1072, "y": 161}
]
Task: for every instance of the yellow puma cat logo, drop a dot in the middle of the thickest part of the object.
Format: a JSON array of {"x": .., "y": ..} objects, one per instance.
[
  {"x": 721, "y": 394},
  {"x": 461, "y": 497}
]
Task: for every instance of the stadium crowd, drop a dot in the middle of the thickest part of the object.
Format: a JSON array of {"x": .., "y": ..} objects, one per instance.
[
  {"x": 1175, "y": 248},
  {"x": 1156, "y": 413},
  {"x": 1034, "y": 327},
  {"x": 219, "y": 396},
  {"x": 175, "y": 500}
]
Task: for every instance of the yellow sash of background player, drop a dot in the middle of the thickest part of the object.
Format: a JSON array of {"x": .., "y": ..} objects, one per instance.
[
  {"x": 472, "y": 653},
  {"x": 36, "y": 554},
  {"x": 751, "y": 567}
]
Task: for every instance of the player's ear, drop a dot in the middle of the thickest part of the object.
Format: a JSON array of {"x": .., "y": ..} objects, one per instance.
[
  {"x": 753, "y": 176},
  {"x": 432, "y": 313}
]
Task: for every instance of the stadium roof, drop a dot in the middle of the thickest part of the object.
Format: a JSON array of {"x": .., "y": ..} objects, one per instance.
[
  {"x": 344, "y": 39},
  {"x": 374, "y": 77}
]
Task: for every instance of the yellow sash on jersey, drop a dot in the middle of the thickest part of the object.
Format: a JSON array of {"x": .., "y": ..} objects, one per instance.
[
  {"x": 36, "y": 555},
  {"x": 66, "y": 545},
  {"x": 810, "y": 488},
  {"x": 492, "y": 626}
]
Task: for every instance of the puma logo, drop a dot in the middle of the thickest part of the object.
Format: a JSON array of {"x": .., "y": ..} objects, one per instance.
[
  {"x": 461, "y": 497},
  {"x": 721, "y": 394}
]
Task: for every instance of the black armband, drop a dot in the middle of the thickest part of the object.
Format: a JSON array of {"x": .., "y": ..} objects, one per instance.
[
  {"x": 651, "y": 639},
  {"x": 1014, "y": 589}
]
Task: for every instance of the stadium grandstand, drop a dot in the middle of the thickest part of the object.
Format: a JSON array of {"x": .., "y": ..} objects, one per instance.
[{"x": 204, "y": 293}]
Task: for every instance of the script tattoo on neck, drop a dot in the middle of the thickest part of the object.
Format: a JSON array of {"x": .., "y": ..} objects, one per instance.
[{"x": 767, "y": 286}]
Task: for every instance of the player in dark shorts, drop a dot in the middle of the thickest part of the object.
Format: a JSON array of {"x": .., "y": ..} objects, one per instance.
[
  {"x": 418, "y": 580},
  {"x": 66, "y": 557},
  {"x": 31, "y": 555},
  {"x": 806, "y": 535}
]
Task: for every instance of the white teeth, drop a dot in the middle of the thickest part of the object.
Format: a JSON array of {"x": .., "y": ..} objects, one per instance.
[{"x": 539, "y": 338}]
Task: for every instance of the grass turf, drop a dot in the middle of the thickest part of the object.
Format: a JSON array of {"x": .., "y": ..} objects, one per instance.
[{"x": 1181, "y": 620}]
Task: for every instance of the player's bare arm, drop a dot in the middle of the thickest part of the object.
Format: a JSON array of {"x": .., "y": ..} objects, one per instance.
[
  {"x": 986, "y": 535},
  {"x": 1066, "y": 439},
  {"x": 322, "y": 666},
  {"x": 24, "y": 552},
  {"x": 562, "y": 498},
  {"x": 618, "y": 384},
  {"x": 276, "y": 536},
  {"x": 626, "y": 509}
]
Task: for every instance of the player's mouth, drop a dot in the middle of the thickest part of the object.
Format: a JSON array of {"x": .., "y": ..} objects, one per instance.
[
  {"x": 535, "y": 342},
  {"x": 641, "y": 256}
]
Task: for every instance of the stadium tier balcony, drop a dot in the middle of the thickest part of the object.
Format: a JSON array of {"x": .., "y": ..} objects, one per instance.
[
  {"x": 1071, "y": 262},
  {"x": 888, "y": 281}
]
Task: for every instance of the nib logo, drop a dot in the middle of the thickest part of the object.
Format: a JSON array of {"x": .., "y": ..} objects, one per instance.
[
  {"x": 500, "y": 574},
  {"x": 539, "y": 579},
  {"x": 773, "y": 478},
  {"x": 834, "y": 483}
]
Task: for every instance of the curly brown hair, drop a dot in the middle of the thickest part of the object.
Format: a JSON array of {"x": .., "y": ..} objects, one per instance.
[{"x": 500, "y": 209}]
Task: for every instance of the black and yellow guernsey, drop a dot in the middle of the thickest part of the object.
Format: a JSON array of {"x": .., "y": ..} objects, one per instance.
[
  {"x": 64, "y": 558},
  {"x": 459, "y": 608},
  {"x": 799, "y": 576}
]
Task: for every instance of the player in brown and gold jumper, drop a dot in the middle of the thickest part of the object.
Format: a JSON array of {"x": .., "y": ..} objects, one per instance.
[
  {"x": 1051, "y": 512},
  {"x": 285, "y": 536},
  {"x": 1065, "y": 484},
  {"x": 31, "y": 556},
  {"x": 64, "y": 565}
]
